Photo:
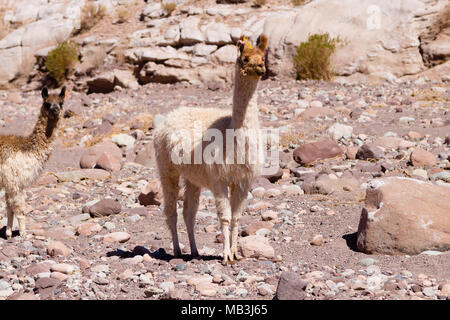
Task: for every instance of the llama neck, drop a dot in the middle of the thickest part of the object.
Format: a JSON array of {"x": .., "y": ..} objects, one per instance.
[
  {"x": 44, "y": 132},
  {"x": 245, "y": 106}
]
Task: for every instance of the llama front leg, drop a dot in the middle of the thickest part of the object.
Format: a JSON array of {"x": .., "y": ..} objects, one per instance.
[
  {"x": 238, "y": 202},
  {"x": 16, "y": 207},
  {"x": 190, "y": 207},
  {"x": 224, "y": 213}
]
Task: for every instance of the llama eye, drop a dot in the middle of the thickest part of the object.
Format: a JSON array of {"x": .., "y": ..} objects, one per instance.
[
  {"x": 245, "y": 60},
  {"x": 47, "y": 105}
]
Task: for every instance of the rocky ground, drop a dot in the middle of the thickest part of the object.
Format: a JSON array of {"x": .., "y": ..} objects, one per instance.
[{"x": 96, "y": 231}]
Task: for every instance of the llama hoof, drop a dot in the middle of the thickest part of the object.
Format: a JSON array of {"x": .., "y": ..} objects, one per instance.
[
  {"x": 23, "y": 235},
  {"x": 8, "y": 233}
]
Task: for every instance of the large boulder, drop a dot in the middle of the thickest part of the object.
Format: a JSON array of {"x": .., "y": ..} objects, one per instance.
[
  {"x": 380, "y": 35},
  {"x": 404, "y": 216}
]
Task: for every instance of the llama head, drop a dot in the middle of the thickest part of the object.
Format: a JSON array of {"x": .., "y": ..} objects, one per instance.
[
  {"x": 53, "y": 103},
  {"x": 251, "y": 59}
]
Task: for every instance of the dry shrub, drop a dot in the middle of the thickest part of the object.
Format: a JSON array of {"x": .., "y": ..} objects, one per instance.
[
  {"x": 123, "y": 15},
  {"x": 312, "y": 60},
  {"x": 296, "y": 3},
  {"x": 291, "y": 137},
  {"x": 90, "y": 16},
  {"x": 168, "y": 8},
  {"x": 259, "y": 3},
  {"x": 61, "y": 60}
]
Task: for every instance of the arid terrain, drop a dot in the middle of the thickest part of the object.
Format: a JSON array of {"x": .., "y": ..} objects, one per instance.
[{"x": 95, "y": 224}]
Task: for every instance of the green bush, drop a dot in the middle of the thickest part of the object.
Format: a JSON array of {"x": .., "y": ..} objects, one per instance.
[
  {"x": 62, "y": 59},
  {"x": 313, "y": 57}
]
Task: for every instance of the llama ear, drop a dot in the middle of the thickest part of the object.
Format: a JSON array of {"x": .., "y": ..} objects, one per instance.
[
  {"x": 44, "y": 93},
  {"x": 263, "y": 43},
  {"x": 241, "y": 44},
  {"x": 62, "y": 94}
]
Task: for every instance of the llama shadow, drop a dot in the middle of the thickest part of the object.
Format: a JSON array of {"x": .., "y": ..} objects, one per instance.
[
  {"x": 3, "y": 233},
  {"x": 159, "y": 254},
  {"x": 351, "y": 239}
]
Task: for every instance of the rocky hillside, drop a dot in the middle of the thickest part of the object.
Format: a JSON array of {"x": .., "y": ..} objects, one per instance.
[
  {"x": 129, "y": 43},
  {"x": 356, "y": 209}
]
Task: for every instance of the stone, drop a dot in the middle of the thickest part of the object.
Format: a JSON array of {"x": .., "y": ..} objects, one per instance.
[
  {"x": 252, "y": 228},
  {"x": 125, "y": 79},
  {"x": 108, "y": 162},
  {"x": 225, "y": 54},
  {"x": 57, "y": 248},
  {"x": 422, "y": 158},
  {"x": 330, "y": 186},
  {"x": 44, "y": 283},
  {"x": 338, "y": 131},
  {"x": 255, "y": 247},
  {"x": 102, "y": 83},
  {"x": 310, "y": 152},
  {"x": 317, "y": 240},
  {"x": 88, "y": 228},
  {"x": 105, "y": 207},
  {"x": 189, "y": 31},
  {"x": 117, "y": 237},
  {"x": 404, "y": 216},
  {"x": 151, "y": 194},
  {"x": 290, "y": 287},
  {"x": 369, "y": 151},
  {"x": 62, "y": 268},
  {"x": 218, "y": 34},
  {"x": 123, "y": 140}
]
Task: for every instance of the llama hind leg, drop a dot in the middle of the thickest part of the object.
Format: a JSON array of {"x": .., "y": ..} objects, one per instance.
[
  {"x": 9, "y": 224},
  {"x": 170, "y": 192},
  {"x": 220, "y": 192},
  {"x": 190, "y": 207},
  {"x": 238, "y": 202}
]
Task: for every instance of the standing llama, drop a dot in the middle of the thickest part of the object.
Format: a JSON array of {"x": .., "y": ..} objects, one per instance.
[
  {"x": 22, "y": 158},
  {"x": 174, "y": 134}
]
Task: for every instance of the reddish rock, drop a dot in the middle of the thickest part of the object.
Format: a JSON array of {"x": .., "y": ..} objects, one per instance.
[
  {"x": 88, "y": 228},
  {"x": 146, "y": 156},
  {"x": 43, "y": 283},
  {"x": 57, "y": 248},
  {"x": 105, "y": 207},
  {"x": 422, "y": 158},
  {"x": 38, "y": 268},
  {"x": 117, "y": 237},
  {"x": 90, "y": 157},
  {"x": 103, "y": 129},
  {"x": 274, "y": 177},
  {"x": 290, "y": 287},
  {"x": 369, "y": 151},
  {"x": 108, "y": 162},
  {"x": 404, "y": 216},
  {"x": 255, "y": 226},
  {"x": 256, "y": 247},
  {"x": 351, "y": 153},
  {"x": 310, "y": 152},
  {"x": 151, "y": 194}
]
